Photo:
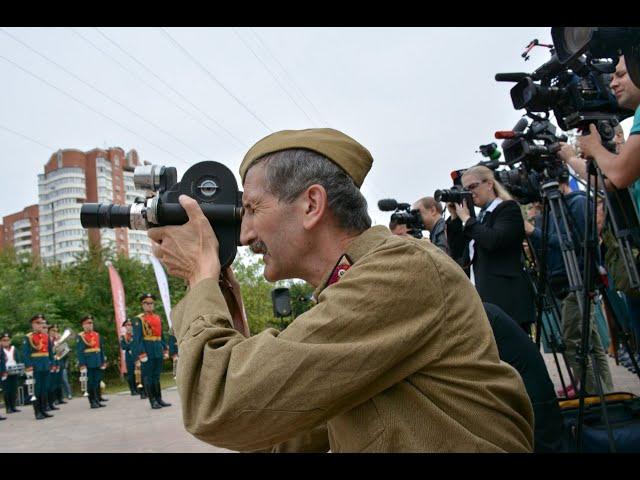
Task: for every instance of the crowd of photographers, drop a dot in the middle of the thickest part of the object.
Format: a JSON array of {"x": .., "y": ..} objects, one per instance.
[{"x": 494, "y": 246}]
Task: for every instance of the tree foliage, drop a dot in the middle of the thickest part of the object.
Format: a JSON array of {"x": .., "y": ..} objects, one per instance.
[{"x": 66, "y": 293}]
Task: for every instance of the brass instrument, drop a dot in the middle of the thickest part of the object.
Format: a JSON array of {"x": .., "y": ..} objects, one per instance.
[
  {"x": 30, "y": 382},
  {"x": 175, "y": 366},
  {"x": 83, "y": 383},
  {"x": 60, "y": 346},
  {"x": 137, "y": 372}
]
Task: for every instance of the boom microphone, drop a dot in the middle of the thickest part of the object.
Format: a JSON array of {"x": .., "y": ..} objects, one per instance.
[{"x": 387, "y": 204}]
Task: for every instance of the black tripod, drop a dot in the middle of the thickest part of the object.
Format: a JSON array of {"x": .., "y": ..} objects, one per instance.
[
  {"x": 548, "y": 308},
  {"x": 554, "y": 206}
]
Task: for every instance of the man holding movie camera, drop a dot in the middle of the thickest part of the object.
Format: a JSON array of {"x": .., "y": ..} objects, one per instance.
[{"x": 397, "y": 354}]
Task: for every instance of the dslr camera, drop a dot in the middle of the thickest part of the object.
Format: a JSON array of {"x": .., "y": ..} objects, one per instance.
[
  {"x": 404, "y": 215},
  {"x": 210, "y": 183}
]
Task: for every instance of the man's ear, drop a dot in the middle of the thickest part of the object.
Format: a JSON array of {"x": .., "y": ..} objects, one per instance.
[{"x": 314, "y": 205}]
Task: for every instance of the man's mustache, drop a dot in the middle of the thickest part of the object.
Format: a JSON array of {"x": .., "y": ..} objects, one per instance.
[{"x": 258, "y": 247}]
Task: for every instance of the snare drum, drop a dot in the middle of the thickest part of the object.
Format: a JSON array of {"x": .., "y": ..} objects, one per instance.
[{"x": 17, "y": 369}]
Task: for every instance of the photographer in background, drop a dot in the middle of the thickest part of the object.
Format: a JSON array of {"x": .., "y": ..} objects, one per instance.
[
  {"x": 431, "y": 213},
  {"x": 494, "y": 248},
  {"x": 557, "y": 277}
]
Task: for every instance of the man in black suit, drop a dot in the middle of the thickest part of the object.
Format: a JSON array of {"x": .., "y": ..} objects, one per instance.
[{"x": 494, "y": 245}]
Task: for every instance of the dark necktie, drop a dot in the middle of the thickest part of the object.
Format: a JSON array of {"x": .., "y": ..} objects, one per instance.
[{"x": 481, "y": 215}]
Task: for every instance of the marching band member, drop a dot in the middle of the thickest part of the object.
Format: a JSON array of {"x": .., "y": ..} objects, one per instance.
[
  {"x": 37, "y": 359},
  {"x": 150, "y": 349},
  {"x": 55, "y": 375},
  {"x": 89, "y": 349},
  {"x": 10, "y": 384},
  {"x": 126, "y": 343}
]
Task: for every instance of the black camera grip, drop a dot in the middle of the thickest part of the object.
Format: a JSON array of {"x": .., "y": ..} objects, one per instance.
[{"x": 174, "y": 214}]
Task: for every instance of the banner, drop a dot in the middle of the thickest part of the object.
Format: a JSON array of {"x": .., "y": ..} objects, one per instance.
[
  {"x": 120, "y": 309},
  {"x": 163, "y": 286}
]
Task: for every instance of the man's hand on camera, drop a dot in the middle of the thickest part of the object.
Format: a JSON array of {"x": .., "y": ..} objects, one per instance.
[
  {"x": 463, "y": 212},
  {"x": 189, "y": 251},
  {"x": 566, "y": 152},
  {"x": 591, "y": 145},
  {"x": 452, "y": 210},
  {"x": 528, "y": 227}
]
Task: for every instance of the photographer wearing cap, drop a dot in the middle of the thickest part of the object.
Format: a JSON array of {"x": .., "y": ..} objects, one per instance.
[
  {"x": 397, "y": 354},
  {"x": 576, "y": 203},
  {"x": 431, "y": 213},
  {"x": 494, "y": 245}
]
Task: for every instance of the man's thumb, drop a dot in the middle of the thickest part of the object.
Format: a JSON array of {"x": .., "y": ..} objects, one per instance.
[{"x": 191, "y": 207}]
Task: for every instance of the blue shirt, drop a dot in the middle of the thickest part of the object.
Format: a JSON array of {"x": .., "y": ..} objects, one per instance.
[{"x": 635, "y": 130}]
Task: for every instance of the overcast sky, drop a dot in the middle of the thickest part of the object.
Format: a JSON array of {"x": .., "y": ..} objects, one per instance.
[{"x": 420, "y": 99}]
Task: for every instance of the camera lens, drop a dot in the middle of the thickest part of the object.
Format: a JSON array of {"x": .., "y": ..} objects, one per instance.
[{"x": 104, "y": 215}]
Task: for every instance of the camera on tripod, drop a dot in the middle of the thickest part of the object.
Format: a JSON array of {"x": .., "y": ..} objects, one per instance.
[
  {"x": 210, "y": 183},
  {"x": 403, "y": 214}
]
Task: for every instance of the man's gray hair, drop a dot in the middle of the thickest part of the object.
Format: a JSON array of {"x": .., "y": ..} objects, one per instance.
[{"x": 288, "y": 173}]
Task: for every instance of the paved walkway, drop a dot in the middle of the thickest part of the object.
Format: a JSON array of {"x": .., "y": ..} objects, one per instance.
[
  {"x": 127, "y": 424},
  {"x": 623, "y": 379}
]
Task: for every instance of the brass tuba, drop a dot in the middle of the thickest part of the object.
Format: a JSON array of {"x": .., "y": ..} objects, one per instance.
[{"x": 61, "y": 347}]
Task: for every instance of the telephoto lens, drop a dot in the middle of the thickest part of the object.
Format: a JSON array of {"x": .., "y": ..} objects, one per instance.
[{"x": 105, "y": 215}]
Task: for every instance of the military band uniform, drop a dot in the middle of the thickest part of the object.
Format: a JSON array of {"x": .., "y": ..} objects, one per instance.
[
  {"x": 37, "y": 356},
  {"x": 126, "y": 343},
  {"x": 55, "y": 379},
  {"x": 3, "y": 379},
  {"x": 150, "y": 349},
  {"x": 10, "y": 383},
  {"x": 384, "y": 363},
  {"x": 90, "y": 352}
]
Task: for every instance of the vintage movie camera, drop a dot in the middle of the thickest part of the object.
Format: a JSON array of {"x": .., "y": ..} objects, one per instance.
[{"x": 210, "y": 183}]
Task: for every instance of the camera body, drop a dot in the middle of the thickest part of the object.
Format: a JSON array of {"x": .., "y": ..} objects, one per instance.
[
  {"x": 404, "y": 215},
  {"x": 210, "y": 183}
]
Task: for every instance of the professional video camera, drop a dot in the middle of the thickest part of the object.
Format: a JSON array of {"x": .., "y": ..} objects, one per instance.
[
  {"x": 404, "y": 215},
  {"x": 210, "y": 183},
  {"x": 599, "y": 42},
  {"x": 577, "y": 91}
]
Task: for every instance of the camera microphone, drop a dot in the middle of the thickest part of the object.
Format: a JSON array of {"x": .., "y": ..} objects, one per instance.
[
  {"x": 510, "y": 77},
  {"x": 387, "y": 204}
]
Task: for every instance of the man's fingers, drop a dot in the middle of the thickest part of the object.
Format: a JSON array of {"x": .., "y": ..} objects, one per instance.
[
  {"x": 592, "y": 128},
  {"x": 191, "y": 207},
  {"x": 157, "y": 233}
]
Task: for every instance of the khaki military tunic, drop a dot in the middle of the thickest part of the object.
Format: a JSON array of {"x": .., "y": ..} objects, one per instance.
[{"x": 397, "y": 356}]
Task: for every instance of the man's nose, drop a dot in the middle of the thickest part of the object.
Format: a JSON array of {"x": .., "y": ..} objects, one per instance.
[{"x": 247, "y": 234}]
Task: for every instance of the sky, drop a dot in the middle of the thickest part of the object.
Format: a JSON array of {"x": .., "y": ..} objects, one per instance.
[{"x": 420, "y": 99}]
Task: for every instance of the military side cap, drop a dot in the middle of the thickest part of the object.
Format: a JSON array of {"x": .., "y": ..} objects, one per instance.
[
  {"x": 125, "y": 322},
  {"x": 86, "y": 317},
  {"x": 37, "y": 317},
  {"x": 5, "y": 335},
  {"x": 341, "y": 149},
  {"x": 147, "y": 295}
]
